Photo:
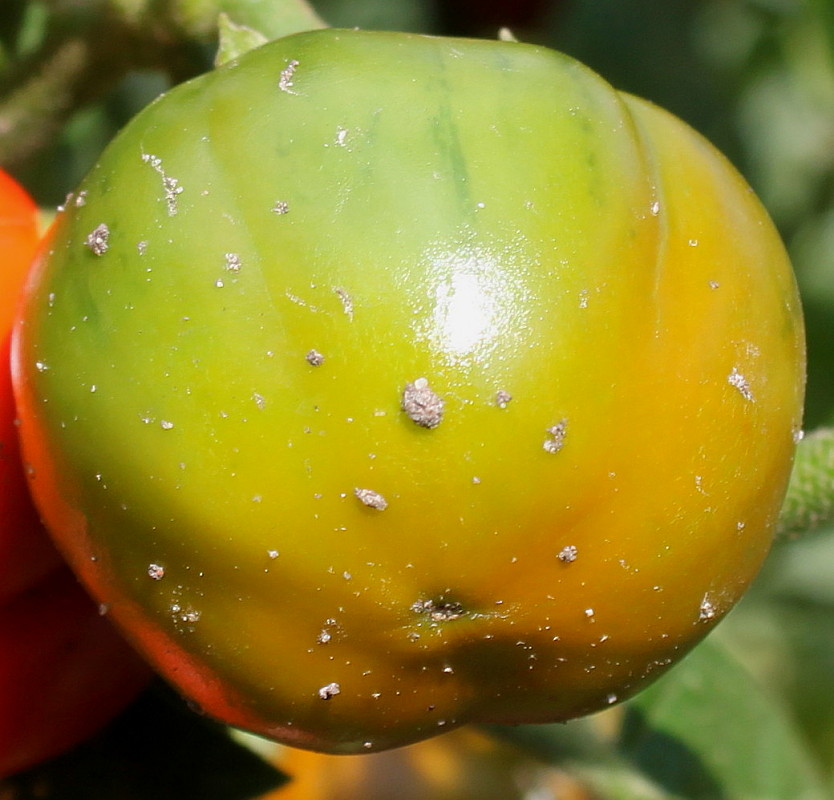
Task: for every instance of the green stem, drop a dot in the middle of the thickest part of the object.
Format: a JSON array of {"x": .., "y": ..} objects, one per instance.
[{"x": 809, "y": 504}]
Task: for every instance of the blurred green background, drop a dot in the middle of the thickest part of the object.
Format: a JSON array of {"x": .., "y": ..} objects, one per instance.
[{"x": 755, "y": 76}]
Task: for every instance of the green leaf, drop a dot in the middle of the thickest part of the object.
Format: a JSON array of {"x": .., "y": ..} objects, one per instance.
[
  {"x": 272, "y": 19},
  {"x": 706, "y": 731},
  {"x": 809, "y": 503},
  {"x": 235, "y": 40}
]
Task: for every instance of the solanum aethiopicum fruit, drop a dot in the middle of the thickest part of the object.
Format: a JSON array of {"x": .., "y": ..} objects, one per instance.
[
  {"x": 25, "y": 549},
  {"x": 64, "y": 671},
  {"x": 384, "y": 383}
]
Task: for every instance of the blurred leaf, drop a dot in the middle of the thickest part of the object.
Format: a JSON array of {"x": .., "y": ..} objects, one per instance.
[
  {"x": 707, "y": 731},
  {"x": 235, "y": 40},
  {"x": 810, "y": 500},
  {"x": 156, "y": 750}
]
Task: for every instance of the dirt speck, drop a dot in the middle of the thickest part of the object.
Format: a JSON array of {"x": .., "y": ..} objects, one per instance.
[
  {"x": 421, "y": 404},
  {"x": 736, "y": 379},
  {"x": 371, "y": 499},
  {"x": 330, "y": 690},
  {"x": 555, "y": 439},
  {"x": 314, "y": 358},
  {"x": 568, "y": 554},
  {"x": 156, "y": 571},
  {"x": 502, "y": 398},
  {"x": 285, "y": 82},
  {"x": 98, "y": 240}
]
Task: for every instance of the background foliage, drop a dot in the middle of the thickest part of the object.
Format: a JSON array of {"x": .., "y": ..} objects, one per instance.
[{"x": 750, "y": 714}]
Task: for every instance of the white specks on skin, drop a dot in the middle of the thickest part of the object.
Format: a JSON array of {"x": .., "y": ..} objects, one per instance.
[
  {"x": 98, "y": 240},
  {"x": 285, "y": 82},
  {"x": 736, "y": 379},
  {"x": 314, "y": 358},
  {"x": 707, "y": 611},
  {"x": 171, "y": 186},
  {"x": 502, "y": 398},
  {"x": 281, "y": 207},
  {"x": 693, "y": 243},
  {"x": 273, "y": 554},
  {"x": 371, "y": 499},
  {"x": 166, "y": 425},
  {"x": 41, "y": 366},
  {"x": 232, "y": 262},
  {"x": 330, "y": 690},
  {"x": 567, "y": 554},
  {"x": 347, "y": 301},
  {"x": 422, "y": 405},
  {"x": 654, "y": 208},
  {"x": 555, "y": 440},
  {"x": 589, "y": 613},
  {"x": 259, "y": 400},
  {"x": 142, "y": 247},
  {"x": 156, "y": 571}
]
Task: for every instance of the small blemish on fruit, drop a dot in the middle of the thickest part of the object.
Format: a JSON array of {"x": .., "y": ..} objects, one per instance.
[
  {"x": 502, "y": 398},
  {"x": 707, "y": 610},
  {"x": 421, "y": 404},
  {"x": 555, "y": 439},
  {"x": 273, "y": 554},
  {"x": 156, "y": 571},
  {"x": 285, "y": 82},
  {"x": 166, "y": 425},
  {"x": 347, "y": 300},
  {"x": 736, "y": 379},
  {"x": 232, "y": 262},
  {"x": 314, "y": 358},
  {"x": 98, "y": 240},
  {"x": 567, "y": 554},
  {"x": 440, "y": 610},
  {"x": 330, "y": 690},
  {"x": 371, "y": 499},
  {"x": 655, "y": 208},
  {"x": 259, "y": 399},
  {"x": 281, "y": 207},
  {"x": 171, "y": 186}
]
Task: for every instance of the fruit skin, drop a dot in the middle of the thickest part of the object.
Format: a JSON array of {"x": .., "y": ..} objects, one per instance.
[
  {"x": 25, "y": 550},
  {"x": 64, "y": 671},
  {"x": 493, "y": 218}
]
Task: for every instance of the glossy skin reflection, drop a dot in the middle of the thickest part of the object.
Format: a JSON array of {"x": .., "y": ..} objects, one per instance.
[{"x": 603, "y": 342}]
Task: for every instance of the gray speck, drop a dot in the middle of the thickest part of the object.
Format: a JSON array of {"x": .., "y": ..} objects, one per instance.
[
  {"x": 331, "y": 690},
  {"x": 347, "y": 300},
  {"x": 502, "y": 398},
  {"x": 555, "y": 440},
  {"x": 314, "y": 358},
  {"x": 567, "y": 554},
  {"x": 281, "y": 207},
  {"x": 736, "y": 379},
  {"x": 371, "y": 499},
  {"x": 421, "y": 404},
  {"x": 285, "y": 83},
  {"x": 97, "y": 241}
]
